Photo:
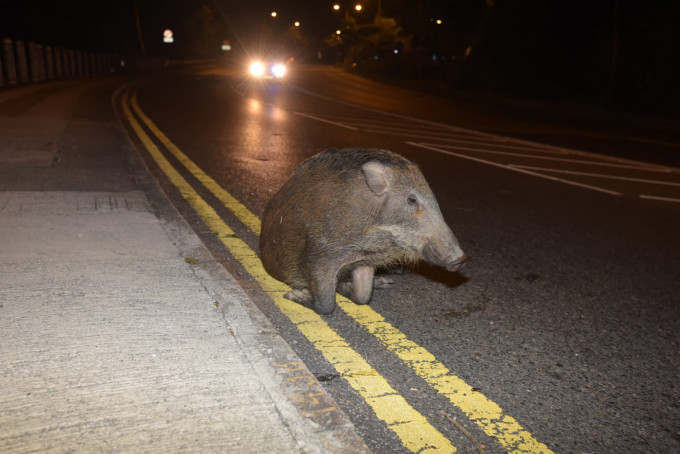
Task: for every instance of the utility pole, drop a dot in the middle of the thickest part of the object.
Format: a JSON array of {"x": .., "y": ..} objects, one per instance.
[{"x": 139, "y": 30}]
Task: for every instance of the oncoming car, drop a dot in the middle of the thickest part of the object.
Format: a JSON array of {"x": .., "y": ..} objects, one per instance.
[{"x": 272, "y": 70}]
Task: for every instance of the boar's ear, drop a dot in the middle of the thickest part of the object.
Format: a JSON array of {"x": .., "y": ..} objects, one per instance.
[{"x": 377, "y": 177}]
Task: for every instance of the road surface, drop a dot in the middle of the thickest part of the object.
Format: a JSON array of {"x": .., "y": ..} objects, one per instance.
[{"x": 561, "y": 335}]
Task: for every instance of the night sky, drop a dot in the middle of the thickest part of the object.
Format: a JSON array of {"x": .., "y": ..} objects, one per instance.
[{"x": 520, "y": 47}]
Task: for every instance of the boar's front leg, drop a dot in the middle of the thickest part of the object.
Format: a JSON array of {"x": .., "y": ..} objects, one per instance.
[
  {"x": 360, "y": 288},
  {"x": 323, "y": 283}
]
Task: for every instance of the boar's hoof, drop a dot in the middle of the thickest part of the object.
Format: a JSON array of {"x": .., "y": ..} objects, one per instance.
[
  {"x": 382, "y": 282},
  {"x": 324, "y": 307},
  {"x": 304, "y": 296},
  {"x": 300, "y": 295},
  {"x": 346, "y": 290}
]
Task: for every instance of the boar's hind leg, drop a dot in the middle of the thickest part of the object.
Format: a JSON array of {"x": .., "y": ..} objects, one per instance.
[{"x": 360, "y": 288}]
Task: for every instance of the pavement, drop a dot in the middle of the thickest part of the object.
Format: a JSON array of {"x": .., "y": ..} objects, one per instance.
[{"x": 119, "y": 331}]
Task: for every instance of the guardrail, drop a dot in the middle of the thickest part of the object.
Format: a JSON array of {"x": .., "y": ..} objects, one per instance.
[{"x": 22, "y": 63}]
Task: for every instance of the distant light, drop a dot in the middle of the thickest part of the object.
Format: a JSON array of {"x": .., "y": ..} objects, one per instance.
[
  {"x": 337, "y": 32},
  {"x": 439, "y": 21},
  {"x": 375, "y": 57},
  {"x": 226, "y": 46},
  {"x": 358, "y": 7},
  {"x": 336, "y": 7},
  {"x": 168, "y": 36},
  {"x": 297, "y": 23},
  {"x": 396, "y": 51},
  {"x": 274, "y": 14}
]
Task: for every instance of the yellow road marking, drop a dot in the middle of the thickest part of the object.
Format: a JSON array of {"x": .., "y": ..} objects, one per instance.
[
  {"x": 244, "y": 214},
  {"x": 478, "y": 408},
  {"x": 482, "y": 411},
  {"x": 412, "y": 428}
]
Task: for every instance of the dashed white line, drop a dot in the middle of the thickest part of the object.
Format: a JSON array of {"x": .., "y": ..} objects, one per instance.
[
  {"x": 342, "y": 125},
  {"x": 387, "y": 122}
]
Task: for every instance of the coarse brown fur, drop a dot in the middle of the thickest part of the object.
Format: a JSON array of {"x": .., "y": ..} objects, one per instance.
[{"x": 345, "y": 212}]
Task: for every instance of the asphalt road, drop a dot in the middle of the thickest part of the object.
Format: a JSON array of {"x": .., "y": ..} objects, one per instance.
[{"x": 567, "y": 319}]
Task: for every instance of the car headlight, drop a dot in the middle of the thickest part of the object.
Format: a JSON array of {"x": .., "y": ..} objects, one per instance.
[
  {"x": 278, "y": 70},
  {"x": 257, "y": 68}
]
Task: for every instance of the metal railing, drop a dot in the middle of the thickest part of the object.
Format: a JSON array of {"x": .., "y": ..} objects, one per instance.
[{"x": 25, "y": 63}]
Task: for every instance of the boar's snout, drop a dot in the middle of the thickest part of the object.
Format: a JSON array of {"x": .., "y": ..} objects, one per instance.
[
  {"x": 445, "y": 252},
  {"x": 457, "y": 264}
]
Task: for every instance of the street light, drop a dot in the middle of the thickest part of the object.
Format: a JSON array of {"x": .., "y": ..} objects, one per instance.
[
  {"x": 274, "y": 14},
  {"x": 358, "y": 7}
]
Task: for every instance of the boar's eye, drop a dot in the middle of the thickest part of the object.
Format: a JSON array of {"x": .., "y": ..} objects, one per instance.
[{"x": 412, "y": 200}]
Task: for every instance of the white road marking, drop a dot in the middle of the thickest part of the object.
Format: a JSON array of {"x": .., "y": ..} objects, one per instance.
[
  {"x": 342, "y": 125},
  {"x": 597, "y": 175},
  {"x": 548, "y": 158},
  {"x": 452, "y": 133},
  {"x": 452, "y": 137},
  {"x": 382, "y": 123},
  {"x": 448, "y": 140},
  {"x": 508, "y": 167},
  {"x": 655, "y": 142},
  {"x": 663, "y": 199}
]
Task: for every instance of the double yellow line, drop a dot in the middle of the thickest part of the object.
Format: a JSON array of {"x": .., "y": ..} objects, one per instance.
[{"x": 412, "y": 428}]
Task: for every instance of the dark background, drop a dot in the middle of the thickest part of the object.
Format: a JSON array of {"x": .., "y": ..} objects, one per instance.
[{"x": 614, "y": 53}]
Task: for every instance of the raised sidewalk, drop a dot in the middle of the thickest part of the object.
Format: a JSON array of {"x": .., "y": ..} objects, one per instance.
[{"x": 111, "y": 341}]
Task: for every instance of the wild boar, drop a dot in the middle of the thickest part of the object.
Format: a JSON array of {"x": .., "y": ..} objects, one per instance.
[{"x": 345, "y": 212}]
